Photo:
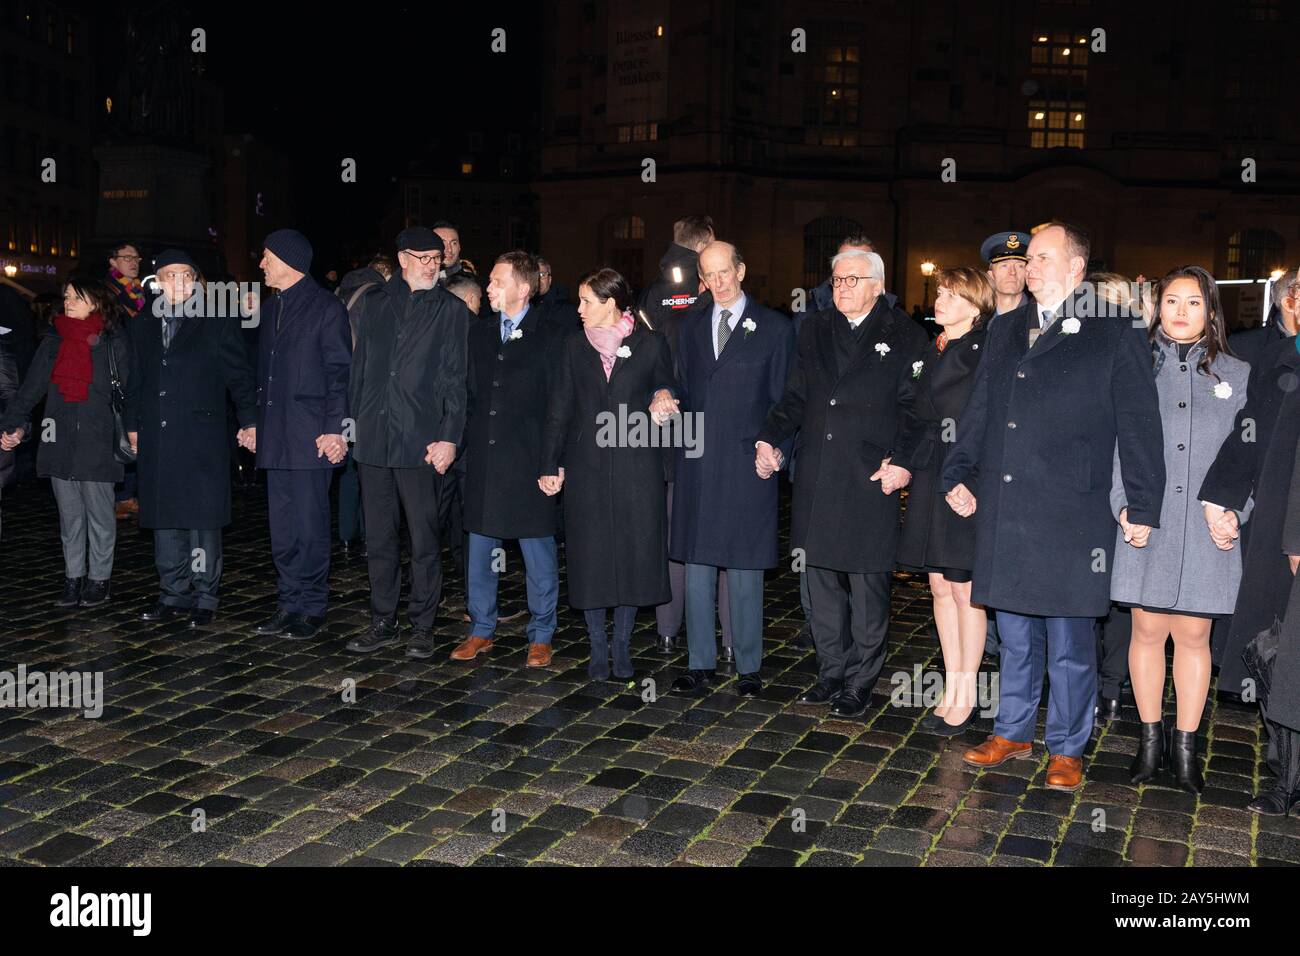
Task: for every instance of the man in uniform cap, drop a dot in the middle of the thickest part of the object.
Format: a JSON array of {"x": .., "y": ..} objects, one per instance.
[{"x": 1007, "y": 253}]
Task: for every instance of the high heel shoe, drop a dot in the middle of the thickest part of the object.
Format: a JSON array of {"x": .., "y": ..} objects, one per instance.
[
  {"x": 1182, "y": 756},
  {"x": 1150, "y": 759}
]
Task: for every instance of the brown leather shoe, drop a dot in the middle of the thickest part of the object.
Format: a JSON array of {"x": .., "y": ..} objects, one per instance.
[
  {"x": 1064, "y": 773},
  {"x": 539, "y": 655},
  {"x": 995, "y": 751},
  {"x": 472, "y": 648}
]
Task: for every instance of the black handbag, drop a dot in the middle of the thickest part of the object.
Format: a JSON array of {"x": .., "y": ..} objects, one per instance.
[
  {"x": 1260, "y": 655},
  {"x": 122, "y": 451}
]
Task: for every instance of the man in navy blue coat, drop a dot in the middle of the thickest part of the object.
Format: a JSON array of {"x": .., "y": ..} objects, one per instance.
[
  {"x": 733, "y": 361},
  {"x": 305, "y": 356},
  {"x": 1062, "y": 385}
]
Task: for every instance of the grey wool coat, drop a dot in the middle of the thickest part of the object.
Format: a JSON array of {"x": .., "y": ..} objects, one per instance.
[{"x": 1181, "y": 569}]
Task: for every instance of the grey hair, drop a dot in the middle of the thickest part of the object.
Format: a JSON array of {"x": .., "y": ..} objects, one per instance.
[{"x": 877, "y": 269}]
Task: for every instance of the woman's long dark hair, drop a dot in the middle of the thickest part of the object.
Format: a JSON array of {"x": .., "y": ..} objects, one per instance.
[
  {"x": 102, "y": 298},
  {"x": 608, "y": 283},
  {"x": 1216, "y": 333}
]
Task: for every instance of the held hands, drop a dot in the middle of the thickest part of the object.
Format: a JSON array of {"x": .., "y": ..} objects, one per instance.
[
  {"x": 247, "y": 438},
  {"x": 1295, "y": 562},
  {"x": 551, "y": 484},
  {"x": 663, "y": 406},
  {"x": 961, "y": 501},
  {"x": 333, "y": 447},
  {"x": 1134, "y": 534},
  {"x": 11, "y": 440},
  {"x": 767, "y": 461},
  {"x": 134, "y": 439},
  {"x": 1225, "y": 526},
  {"x": 891, "y": 477},
  {"x": 440, "y": 454}
]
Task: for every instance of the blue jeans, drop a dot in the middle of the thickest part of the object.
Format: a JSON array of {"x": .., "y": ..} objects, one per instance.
[
  {"x": 542, "y": 577},
  {"x": 746, "y": 592},
  {"x": 1066, "y": 647}
]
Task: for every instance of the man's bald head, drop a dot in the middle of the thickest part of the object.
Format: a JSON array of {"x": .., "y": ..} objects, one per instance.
[{"x": 722, "y": 268}]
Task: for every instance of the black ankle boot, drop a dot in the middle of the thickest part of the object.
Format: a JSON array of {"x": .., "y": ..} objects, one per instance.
[
  {"x": 1150, "y": 758},
  {"x": 1182, "y": 755},
  {"x": 598, "y": 669},
  {"x": 71, "y": 595}
]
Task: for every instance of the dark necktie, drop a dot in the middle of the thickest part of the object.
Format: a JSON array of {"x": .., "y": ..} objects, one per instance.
[
  {"x": 724, "y": 330},
  {"x": 170, "y": 323}
]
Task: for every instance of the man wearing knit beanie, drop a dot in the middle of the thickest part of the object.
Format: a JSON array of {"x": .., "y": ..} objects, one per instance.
[{"x": 304, "y": 359}]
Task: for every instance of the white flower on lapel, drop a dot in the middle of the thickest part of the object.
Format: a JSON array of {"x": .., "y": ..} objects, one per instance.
[
  {"x": 916, "y": 369},
  {"x": 1223, "y": 390},
  {"x": 882, "y": 348},
  {"x": 516, "y": 334},
  {"x": 1069, "y": 326},
  {"x": 749, "y": 325},
  {"x": 624, "y": 352}
]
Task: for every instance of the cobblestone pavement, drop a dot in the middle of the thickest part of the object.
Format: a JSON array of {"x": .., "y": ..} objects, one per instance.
[{"x": 491, "y": 764}]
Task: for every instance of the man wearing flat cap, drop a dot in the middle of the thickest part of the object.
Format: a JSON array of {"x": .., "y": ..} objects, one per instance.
[
  {"x": 1007, "y": 253},
  {"x": 186, "y": 362},
  {"x": 408, "y": 396},
  {"x": 304, "y": 358}
]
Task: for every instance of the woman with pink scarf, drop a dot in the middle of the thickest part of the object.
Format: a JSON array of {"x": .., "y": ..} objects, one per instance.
[{"x": 613, "y": 387}]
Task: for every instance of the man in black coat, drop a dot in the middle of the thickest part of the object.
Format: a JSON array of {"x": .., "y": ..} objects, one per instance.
[
  {"x": 304, "y": 355},
  {"x": 552, "y": 301},
  {"x": 1251, "y": 345},
  {"x": 407, "y": 396},
  {"x": 733, "y": 362},
  {"x": 512, "y": 353},
  {"x": 186, "y": 362},
  {"x": 1060, "y": 385},
  {"x": 849, "y": 388}
]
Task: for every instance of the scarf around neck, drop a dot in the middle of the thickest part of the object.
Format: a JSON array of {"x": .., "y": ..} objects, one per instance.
[
  {"x": 73, "y": 369},
  {"x": 134, "y": 290},
  {"x": 609, "y": 338}
]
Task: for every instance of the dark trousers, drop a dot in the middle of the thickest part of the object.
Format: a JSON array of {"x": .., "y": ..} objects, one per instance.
[
  {"x": 385, "y": 494},
  {"x": 1066, "y": 647},
  {"x": 668, "y": 617},
  {"x": 703, "y": 584},
  {"x": 850, "y": 625},
  {"x": 451, "y": 514},
  {"x": 351, "y": 524},
  {"x": 189, "y": 566},
  {"x": 1114, "y": 634},
  {"x": 298, "y": 501}
]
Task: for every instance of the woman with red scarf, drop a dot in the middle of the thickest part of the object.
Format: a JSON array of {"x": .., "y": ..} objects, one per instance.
[
  {"x": 70, "y": 371},
  {"x": 613, "y": 375}
]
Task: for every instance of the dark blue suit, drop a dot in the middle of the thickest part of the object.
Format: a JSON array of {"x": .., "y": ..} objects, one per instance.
[{"x": 304, "y": 358}]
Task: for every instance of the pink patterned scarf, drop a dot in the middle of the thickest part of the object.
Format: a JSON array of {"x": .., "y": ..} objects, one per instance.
[{"x": 609, "y": 338}]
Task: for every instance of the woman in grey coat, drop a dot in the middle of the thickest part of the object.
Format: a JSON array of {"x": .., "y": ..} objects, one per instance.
[{"x": 1179, "y": 580}]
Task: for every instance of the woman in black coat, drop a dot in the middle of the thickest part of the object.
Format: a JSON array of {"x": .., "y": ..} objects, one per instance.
[
  {"x": 70, "y": 371},
  {"x": 602, "y": 444},
  {"x": 935, "y": 540}
]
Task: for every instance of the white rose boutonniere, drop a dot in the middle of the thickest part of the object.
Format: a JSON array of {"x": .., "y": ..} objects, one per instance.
[
  {"x": 1069, "y": 326},
  {"x": 882, "y": 348},
  {"x": 516, "y": 334},
  {"x": 916, "y": 369},
  {"x": 1223, "y": 390},
  {"x": 624, "y": 352},
  {"x": 749, "y": 325}
]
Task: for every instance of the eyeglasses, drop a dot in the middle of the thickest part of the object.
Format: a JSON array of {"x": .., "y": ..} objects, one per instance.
[
  {"x": 129, "y": 258},
  {"x": 849, "y": 281},
  {"x": 425, "y": 259},
  {"x": 544, "y": 275}
]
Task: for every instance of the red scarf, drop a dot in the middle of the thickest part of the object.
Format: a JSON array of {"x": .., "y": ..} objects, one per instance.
[
  {"x": 607, "y": 340},
  {"x": 72, "y": 367},
  {"x": 134, "y": 290}
]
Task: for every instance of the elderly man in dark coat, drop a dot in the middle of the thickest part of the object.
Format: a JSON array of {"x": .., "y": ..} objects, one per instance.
[
  {"x": 1058, "y": 387},
  {"x": 849, "y": 388},
  {"x": 186, "y": 362},
  {"x": 733, "y": 362},
  {"x": 304, "y": 355},
  {"x": 407, "y": 394},
  {"x": 512, "y": 353}
]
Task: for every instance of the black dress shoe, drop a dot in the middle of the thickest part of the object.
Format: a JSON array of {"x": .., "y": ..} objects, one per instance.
[
  {"x": 1182, "y": 759},
  {"x": 1150, "y": 759},
  {"x": 275, "y": 625},
  {"x": 71, "y": 595},
  {"x": 162, "y": 612},
  {"x": 823, "y": 692},
  {"x": 419, "y": 646},
  {"x": 304, "y": 626},
  {"x": 1274, "y": 803},
  {"x": 1106, "y": 709},
  {"x": 749, "y": 685},
  {"x": 851, "y": 703},
  {"x": 201, "y": 616},
  {"x": 945, "y": 729},
  {"x": 94, "y": 593},
  {"x": 692, "y": 682},
  {"x": 383, "y": 633}
]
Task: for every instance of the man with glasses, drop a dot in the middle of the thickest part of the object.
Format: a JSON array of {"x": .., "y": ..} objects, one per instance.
[
  {"x": 851, "y": 383},
  {"x": 407, "y": 394},
  {"x": 124, "y": 278},
  {"x": 552, "y": 299}
]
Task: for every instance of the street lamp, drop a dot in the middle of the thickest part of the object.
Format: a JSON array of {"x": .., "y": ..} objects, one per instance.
[
  {"x": 927, "y": 270},
  {"x": 11, "y": 270}
]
